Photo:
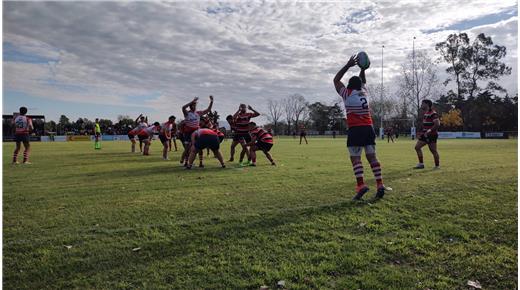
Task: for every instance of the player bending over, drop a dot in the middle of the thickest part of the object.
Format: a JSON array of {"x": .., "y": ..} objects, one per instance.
[
  {"x": 165, "y": 135},
  {"x": 204, "y": 138},
  {"x": 145, "y": 135},
  {"x": 23, "y": 126},
  {"x": 260, "y": 140},
  {"x": 361, "y": 132},
  {"x": 429, "y": 134}
]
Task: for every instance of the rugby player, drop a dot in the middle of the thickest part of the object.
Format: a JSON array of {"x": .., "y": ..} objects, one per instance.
[
  {"x": 429, "y": 134},
  {"x": 23, "y": 126},
  {"x": 260, "y": 140},
  {"x": 361, "y": 133}
]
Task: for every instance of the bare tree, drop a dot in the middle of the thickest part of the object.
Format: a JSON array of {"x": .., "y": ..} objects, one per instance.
[
  {"x": 274, "y": 112},
  {"x": 382, "y": 104},
  {"x": 418, "y": 82},
  {"x": 288, "y": 108},
  {"x": 301, "y": 109}
]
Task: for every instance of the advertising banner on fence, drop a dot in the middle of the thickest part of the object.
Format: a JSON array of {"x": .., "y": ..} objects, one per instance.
[
  {"x": 495, "y": 135},
  {"x": 78, "y": 138},
  {"x": 459, "y": 135}
]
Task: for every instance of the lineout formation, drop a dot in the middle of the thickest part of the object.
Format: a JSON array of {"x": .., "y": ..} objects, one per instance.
[{"x": 198, "y": 132}]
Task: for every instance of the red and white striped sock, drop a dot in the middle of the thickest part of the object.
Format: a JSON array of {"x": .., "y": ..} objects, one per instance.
[
  {"x": 15, "y": 157},
  {"x": 358, "y": 172},
  {"x": 376, "y": 169},
  {"x": 25, "y": 155}
]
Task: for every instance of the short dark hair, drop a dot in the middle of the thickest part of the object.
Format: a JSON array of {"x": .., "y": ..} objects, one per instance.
[
  {"x": 428, "y": 102},
  {"x": 354, "y": 83},
  {"x": 23, "y": 110},
  {"x": 252, "y": 124},
  {"x": 157, "y": 124},
  {"x": 229, "y": 117},
  {"x": 171, "y": 117}
]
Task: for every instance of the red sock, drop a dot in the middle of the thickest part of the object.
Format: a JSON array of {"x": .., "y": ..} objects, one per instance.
[
  {"x": 15, "y": 157},
  {"x": 25, "y": 156}
]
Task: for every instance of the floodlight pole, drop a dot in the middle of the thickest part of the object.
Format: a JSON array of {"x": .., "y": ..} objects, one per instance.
[
  {"x": 413, "y": 74},
  {"x": 381, "y": 130}
]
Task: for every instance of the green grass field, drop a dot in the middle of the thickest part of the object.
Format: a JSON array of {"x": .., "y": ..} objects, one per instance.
[{"x": 241, "y": 228}]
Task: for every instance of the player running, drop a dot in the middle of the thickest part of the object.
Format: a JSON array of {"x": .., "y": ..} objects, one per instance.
[
  {"x": 165, "y": 135},
  {"x": 23, "y": 126},
  {"x": 260, "y": 140},
  {"x": 429, "y": 134},
  {"x": 192, "y": 120},
  {"x": 204, "y": 138},
  {"x": 97, "y": 135},
  {"x": 145, "y": 135},
  {"x": 242, "y": 118},
  {"x": 361, "y": 132}
]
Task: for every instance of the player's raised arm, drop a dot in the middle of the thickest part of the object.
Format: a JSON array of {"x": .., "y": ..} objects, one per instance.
[
  {"x": 185, "y": 107},
  {"x": 209, "y": 107},
  {"x": 256, "y": 114},
  {"x": 236, "y": 114},
  {"x": 137, "y": 119},
  {"x": 362, "y": 76},
  {"x": 337, "y": 79}
]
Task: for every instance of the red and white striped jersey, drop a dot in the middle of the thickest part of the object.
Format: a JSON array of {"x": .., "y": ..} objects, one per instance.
[
  {"x": 22, "y": 125},
  {"x": 428, "y": 123},
  {"x": 166, "y": 128},
  {"x": 142, "y": 125},
  {"x": 192, "y": 120},
  {"x": 262, "y": 135},
  {"x": 242, "y": 122},
  {"x": 149, "y": 131},
  {"x": 204, "y": 131},
  {"x": 356, "y": 107}
]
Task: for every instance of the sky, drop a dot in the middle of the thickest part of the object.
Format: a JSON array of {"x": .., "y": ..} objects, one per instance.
[{"x": 104, "y": 59}]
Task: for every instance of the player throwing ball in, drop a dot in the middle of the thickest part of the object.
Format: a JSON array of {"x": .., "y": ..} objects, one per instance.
[
  {"x": 429, "y": 134},
  {"x": 361, "y": 133}
]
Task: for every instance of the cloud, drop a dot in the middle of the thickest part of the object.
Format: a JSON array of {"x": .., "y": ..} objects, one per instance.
[{"x": 240, "y": 52}]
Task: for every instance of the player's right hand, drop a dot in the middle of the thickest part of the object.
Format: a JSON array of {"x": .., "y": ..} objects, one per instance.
[{"x": 352, "y": 61}]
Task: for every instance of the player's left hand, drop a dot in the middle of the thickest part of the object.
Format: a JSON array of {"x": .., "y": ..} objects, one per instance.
[{"x": 211, "y": 98}]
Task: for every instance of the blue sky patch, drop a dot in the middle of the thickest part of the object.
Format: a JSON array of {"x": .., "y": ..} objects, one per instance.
[
  {"x": 483, "y": 20},
  {"x": 12, "y": 53}
]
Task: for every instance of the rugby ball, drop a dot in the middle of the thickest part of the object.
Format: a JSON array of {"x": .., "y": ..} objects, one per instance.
[{"x": 362, "y": 60}]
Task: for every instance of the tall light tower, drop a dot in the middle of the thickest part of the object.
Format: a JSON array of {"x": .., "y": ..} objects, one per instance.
[
  {"x": 381, "y": 130},
  {"x": 413, "y": 82}
]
